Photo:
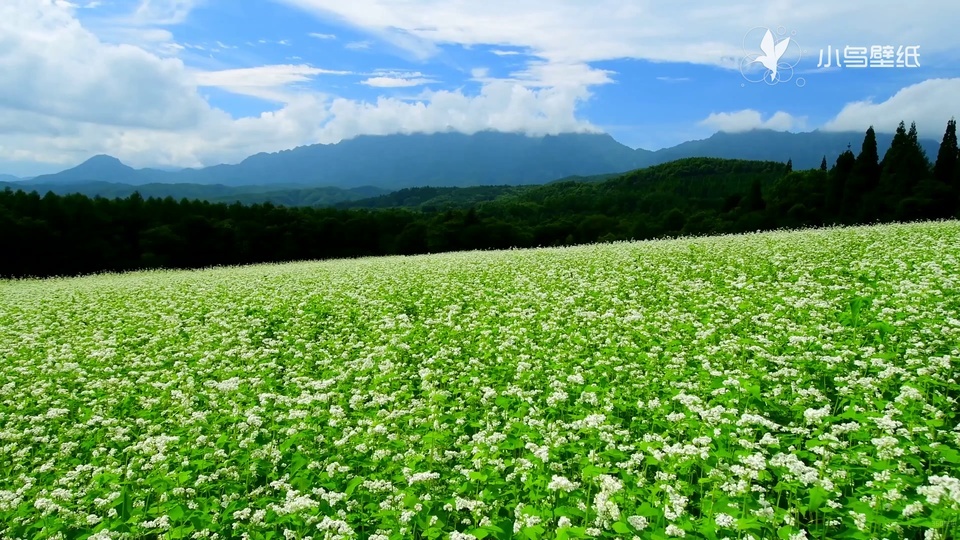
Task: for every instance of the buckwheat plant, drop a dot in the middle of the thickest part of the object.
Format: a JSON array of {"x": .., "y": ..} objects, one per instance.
[{"x": 791, "y": 385}]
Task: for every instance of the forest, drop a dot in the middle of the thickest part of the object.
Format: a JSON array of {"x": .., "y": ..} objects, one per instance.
[{"x": 63, "y": 235}]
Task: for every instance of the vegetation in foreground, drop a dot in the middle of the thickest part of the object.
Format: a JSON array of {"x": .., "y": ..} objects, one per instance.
[
  {"x": 781, "y": 385},
  {"x": 67, "y": 235}
]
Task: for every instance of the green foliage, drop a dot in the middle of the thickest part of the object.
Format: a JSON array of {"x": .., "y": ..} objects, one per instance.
[{"x": 794, "y": 384}]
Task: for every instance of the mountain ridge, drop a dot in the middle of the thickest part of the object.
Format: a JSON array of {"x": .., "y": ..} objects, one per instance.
[{"x": 461, "y": 160}]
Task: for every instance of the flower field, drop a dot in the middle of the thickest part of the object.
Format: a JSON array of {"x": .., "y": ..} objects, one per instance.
[{"x": 786, "y": 385}]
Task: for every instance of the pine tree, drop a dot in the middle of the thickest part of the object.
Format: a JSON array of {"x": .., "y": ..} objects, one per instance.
[
  {"x": 945, "y": 170},
  {"x": 837, "y": 203},
  {"x": 904, "y": 165},
  {"x": 863, "y": 180},
  {"x": 823, "y": 164},
  {"x": 944, "y": 187},
  {"x": 868, "y": 162},
  {"x": 789, "y": 166}
]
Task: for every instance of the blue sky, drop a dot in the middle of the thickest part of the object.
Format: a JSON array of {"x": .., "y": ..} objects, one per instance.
[{"x": 200, "y": 82}]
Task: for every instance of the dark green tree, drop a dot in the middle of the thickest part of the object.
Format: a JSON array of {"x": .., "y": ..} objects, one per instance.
[
  {"x": 836, "y": 192},
  {"x": 863, "y": 180},
  {"x": 904, "y": 165},
  {"x": 945, "y": 169},
  {"x": 823, "y": 164}
]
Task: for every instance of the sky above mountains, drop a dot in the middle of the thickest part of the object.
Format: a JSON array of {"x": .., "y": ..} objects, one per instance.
[{"x": 187, "y": 83}]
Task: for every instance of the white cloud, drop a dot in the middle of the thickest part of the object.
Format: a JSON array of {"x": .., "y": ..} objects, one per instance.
[
  {"x": 318, "y": 35},
  {"x": 929, "y": 103},
  {"x": 396, "y": 82},
  {"x": 499, "y": 52},
  {"x": 53, "y": 66},
  {"x": 264, "y": 76},
  {"x": 500, "y": 106},
  {"x": 358, "y": 45},
  {"x": 673, "y": 79},
  {"x": 265, "y": 82},
  {"x": 704, "y": 32},
  {"x": 748, "y": 119},
  {"x": 540, "y": 74},
  {"x": 148, "y": 111},
  {"x": 163, "y": 12}
]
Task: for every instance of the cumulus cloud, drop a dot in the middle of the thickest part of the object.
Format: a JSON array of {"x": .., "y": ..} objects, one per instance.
[
  {"x": 748, "y": 119},
  {"x": 929, "y": 103},
  {"x": 500, "y": 106},
  {"x": 53, "y": 66}
]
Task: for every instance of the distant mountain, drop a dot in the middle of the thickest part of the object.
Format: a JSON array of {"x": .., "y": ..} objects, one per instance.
[
  {"x": 393, "y": 162},
  {"x": 9, "y": 178},
  {"x": 103, "y": 168}
]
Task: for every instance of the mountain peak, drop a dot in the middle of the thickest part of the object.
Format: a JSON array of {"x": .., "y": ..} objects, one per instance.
[{"x": 101, "y": 160}]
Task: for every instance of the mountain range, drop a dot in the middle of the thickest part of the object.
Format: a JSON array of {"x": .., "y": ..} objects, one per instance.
[{"x": 368, "y": 166}]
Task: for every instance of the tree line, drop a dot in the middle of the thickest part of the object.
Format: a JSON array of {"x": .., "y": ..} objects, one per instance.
[{"x": 60, "y": 235}]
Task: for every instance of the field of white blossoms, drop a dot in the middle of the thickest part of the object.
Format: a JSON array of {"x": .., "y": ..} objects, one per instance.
[{"x": 789, "y": 385}]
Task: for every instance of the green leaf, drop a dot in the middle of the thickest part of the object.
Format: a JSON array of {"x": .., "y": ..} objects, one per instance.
[
  {"x": 948, "y": 454},
  {"x": 621, "y": 528},
  {"x": 818, "y": 497},
  {"x": 352, "y": 486},
  {"x": 176, "y": 512},
  {"x": 591, "y": 471}
]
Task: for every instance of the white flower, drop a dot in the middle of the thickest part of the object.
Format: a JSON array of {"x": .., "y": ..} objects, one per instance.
[
  {"x": 673, "y": 530},
  {"x": 560, "y": 483},
  {"x": 724, "y": 521},
  {"x": 815, "y": 416},
  {"x": 638, "y": 522}
]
